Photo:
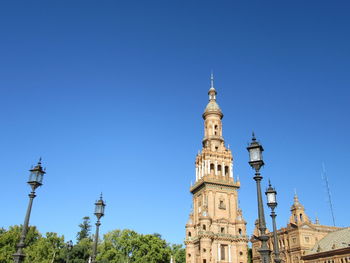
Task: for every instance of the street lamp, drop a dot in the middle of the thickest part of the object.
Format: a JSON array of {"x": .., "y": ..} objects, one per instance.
[
  {"x": 272, "y": 203},
  {"x": 256, "y": 162},
  {"x": 69, "y": 248},
  {"x": 99, "y": 212},
  {"x": 35, "y": 180}
]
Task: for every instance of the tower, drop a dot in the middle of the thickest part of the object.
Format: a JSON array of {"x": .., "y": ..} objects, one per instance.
[
  {"x": 216, "y": 230},
  {"x": 298, "y": 215}
]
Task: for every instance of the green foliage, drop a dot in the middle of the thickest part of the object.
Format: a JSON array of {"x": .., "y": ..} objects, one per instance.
[
  {"x": 178, "y": 253},
  {"x": 10, "y": 238},
  {"x": 81, "y": 251},
  {"x": 118, "y": 246},
  {"x": 46, "y": 250},
  {"x": 85, "y": 228},
  {"x": 250, "y": 255}
]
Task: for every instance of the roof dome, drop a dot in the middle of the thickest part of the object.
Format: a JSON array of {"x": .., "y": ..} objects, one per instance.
[
  {"x": 296, "y": 205},
  {"x": 212, "y": 106}
]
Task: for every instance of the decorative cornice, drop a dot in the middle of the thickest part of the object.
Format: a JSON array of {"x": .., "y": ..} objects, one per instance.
[{"x": 214, "y": 183}]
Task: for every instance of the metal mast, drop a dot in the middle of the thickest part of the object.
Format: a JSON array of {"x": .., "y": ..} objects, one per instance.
[{"x": 325, "y": 178}]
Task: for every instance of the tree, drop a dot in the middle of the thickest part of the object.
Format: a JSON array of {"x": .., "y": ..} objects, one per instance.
[
  {"x": 128, "y": 246},
  {"x": 47, "y": 250},
  {"x": 250, "y": 255},
  {"x": 81, "y": 251},
  {"x": 178, "y": 253},
  {"x": 10, "y": 238},
  {"x": 85, "y": 229}
]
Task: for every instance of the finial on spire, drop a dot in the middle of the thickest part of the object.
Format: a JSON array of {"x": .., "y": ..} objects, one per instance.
[
  {"x": 101, "y": 196},
  {"x": 296, "y": 199},
  {"x": 317, "y": 221},
  {"x": 212, "y": 80},
  {"x": 39, "y": 160},
  {"x": 253, "y": 137},
  {"x": 270, "y": 183}
]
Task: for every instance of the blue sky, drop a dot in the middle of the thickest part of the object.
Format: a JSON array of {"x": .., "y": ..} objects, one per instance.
[{"x": 110, "y": 94}]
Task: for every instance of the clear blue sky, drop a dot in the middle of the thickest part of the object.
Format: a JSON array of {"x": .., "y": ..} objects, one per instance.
[{"x": 110, "y": 94}]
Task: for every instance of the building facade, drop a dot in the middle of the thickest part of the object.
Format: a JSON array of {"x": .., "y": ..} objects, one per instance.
[
  {"x": 216, "y": 230},
  {"x": 296, "y": 239},
  {"x": 333, "y": 248}
]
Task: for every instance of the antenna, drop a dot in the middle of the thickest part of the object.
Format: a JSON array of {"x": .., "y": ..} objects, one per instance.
[{"x": 325, "y": 178}]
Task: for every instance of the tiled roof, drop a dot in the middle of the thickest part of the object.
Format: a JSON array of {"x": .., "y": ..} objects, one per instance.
[{"x": 335, "y": 240}]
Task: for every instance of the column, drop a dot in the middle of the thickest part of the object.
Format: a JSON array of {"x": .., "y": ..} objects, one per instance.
[
  {"x": 219, "y": 252},
  {"x": 199, "y": 171},
  {"x": 196, "y": 173},
  {"x": 229, "y": 253},
  {"x": 203, "y": 168},
  {"x": 223, "y": 169},
  {"x": 231, "y": 170},
  {"x": 216, "y": 168},
  {"x": 208, "y": 166}
]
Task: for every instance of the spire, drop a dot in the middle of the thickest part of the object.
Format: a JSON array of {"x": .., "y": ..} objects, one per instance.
[
  {"x": 212, "y": 80},
  {"x": 253, "y": 137},
  {"x": 317, "y": 221},
  {"x": 296, "y": 199},
  {"x": 212, "y": 92}
]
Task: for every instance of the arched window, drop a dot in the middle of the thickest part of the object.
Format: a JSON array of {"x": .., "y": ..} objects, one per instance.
[
  {"x": 204, "y": 227},
  {"x": 212, "y": 169},
  {"x": 226, "y": 170},
  {"x": 189, "y": 234},
  {"x": 240, "y": 231},
  {"x": 295, "y": 218},
  {"x": 219, "y": 169},
  {"x": 301, "y": 217}
]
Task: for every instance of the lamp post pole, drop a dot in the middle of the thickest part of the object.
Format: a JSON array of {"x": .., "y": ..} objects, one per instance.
[
  {"x": 35, "y": 180},
  {"x": 256, "y": 162},
  {"x": 272, "y": 203},
  {"x": 99, "y": 212}
]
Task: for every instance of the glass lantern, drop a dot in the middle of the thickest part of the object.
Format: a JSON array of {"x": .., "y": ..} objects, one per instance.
[
  {"x": 100, "y": 208},
  {"x": 271, "y": 196},
  {"x": 36, "y": 176},
  {"x": 255, "y": 150}
]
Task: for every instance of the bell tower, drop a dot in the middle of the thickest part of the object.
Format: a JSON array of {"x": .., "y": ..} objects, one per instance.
[{"x": 216, "y": 230}]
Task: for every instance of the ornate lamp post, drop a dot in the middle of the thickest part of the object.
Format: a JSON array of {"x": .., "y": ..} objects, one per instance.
[
  {"x": 272, "y": 203},
  {"x": 99, "y": 212},
  {"x": 69, "y": 249},
  {"x": 35, "y": 180},
  {"x": 256, "y": 162}
]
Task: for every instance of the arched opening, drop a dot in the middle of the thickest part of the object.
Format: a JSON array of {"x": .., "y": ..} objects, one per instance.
[
  {"x": 215, "y": 130},
  {"x": 204, "y": 227},
  {"x": 189, "y": 234},
  {"x": 212, "y": 169},
  {"x": 226, "y": 170},
  {"x": 240, "y": 232},
  {"x": 219, "y": 170},
  {"x": 295, "y": 218},
  {"x": 301, "y": 217}
]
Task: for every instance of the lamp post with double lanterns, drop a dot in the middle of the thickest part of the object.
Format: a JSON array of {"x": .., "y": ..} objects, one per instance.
[
  {"x": 69, "y": 249},
  {"x": 35, "y": 180},
  {"x": 256, "y": 162},
  {"x": 272, "y": 203},
  {"x": 99, "y": 212}
]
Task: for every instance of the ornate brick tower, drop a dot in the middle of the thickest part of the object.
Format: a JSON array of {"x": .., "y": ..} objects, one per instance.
[{"x": 216, "y": 230}]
